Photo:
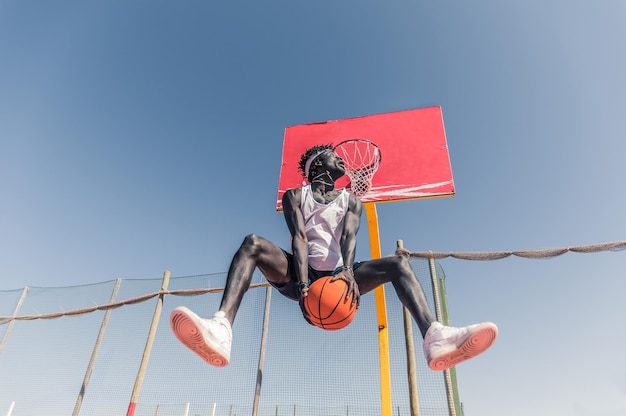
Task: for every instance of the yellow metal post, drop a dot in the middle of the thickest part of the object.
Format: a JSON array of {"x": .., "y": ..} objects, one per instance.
[{"x": 381, "y": 312}]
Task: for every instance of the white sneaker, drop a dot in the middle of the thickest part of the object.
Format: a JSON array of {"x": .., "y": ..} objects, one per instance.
[
  {"x": 446, "y": 346},
  {"x": 210, "y": 338}
]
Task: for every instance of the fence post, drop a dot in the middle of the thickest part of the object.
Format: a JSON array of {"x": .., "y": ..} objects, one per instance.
[
  {"x": 96, "y": 348},
  {"x": 442, "y": 316},
  {"x": 454, "y": 387},
  {"x": 259, "y": 374},
  {"x": 410, "y": 355},
  {"x": 15, "y": 312},
  {"x": 148, "y": 349}
]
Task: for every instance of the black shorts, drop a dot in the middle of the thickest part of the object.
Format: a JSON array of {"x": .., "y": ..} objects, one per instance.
[{"x": 291, "y": 289}]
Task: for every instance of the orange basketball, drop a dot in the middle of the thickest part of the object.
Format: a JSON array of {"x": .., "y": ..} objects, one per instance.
[{"x": 326, "y": 304}]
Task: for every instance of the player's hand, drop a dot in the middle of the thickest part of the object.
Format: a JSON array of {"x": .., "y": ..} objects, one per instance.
[
  {"x": 347, "y": 275},
  {"x": 304, "y": 289}
]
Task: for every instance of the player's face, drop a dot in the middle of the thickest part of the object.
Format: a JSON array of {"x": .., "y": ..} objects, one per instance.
[{"x": 333, "y": 163}]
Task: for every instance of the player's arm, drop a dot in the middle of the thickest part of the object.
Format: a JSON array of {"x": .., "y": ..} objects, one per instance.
[
  {"x": 351, "y": 224},
  {"x": 299, "y": 242}
]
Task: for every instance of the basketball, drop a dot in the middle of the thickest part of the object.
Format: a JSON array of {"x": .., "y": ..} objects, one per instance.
[{"x": 326, "y": 304}]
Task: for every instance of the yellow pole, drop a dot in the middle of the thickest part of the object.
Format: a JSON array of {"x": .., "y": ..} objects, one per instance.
[{"x": 381, "y": 312}]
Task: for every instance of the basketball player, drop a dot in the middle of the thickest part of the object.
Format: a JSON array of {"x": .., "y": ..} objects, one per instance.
[{"x": 323, "y": 222}]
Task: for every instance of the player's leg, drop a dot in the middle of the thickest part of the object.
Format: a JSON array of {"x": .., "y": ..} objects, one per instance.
[
  {"x": 211, "y": 338},
  {"x": 444, "y": 346},
  {"x": 254, "y": 252},
  {"x": 397, "y": 270}
]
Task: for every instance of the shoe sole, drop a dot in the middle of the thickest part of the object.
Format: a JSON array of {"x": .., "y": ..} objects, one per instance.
[
  {"x": 476, "y": 343},
  {"x": 189, "y": 333}
]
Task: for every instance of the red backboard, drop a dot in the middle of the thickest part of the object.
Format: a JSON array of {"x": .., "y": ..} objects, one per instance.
[{"x": 414, "y": 164}]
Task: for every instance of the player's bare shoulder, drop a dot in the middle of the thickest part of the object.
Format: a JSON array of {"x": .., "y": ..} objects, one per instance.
[
  {"x": 355, "y": 205},
  {"x": 291, "y": 198}
]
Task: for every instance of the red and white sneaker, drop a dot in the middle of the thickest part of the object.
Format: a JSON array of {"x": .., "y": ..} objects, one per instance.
[
  {"x": 210, "y": 338},
  {"x": 446, "y": 346}
]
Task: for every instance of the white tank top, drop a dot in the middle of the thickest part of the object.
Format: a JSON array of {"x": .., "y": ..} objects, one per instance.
[{"x": 323, "y": 225}]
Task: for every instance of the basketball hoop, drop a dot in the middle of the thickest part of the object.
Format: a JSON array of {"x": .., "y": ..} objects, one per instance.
[{"x": 361, "y": 159}]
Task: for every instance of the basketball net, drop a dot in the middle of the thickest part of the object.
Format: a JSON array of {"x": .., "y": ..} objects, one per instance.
[{"x": 361, "y": 159}]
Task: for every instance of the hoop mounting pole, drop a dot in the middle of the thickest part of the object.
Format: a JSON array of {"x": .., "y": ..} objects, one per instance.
[{"x": 381, "y": 312}]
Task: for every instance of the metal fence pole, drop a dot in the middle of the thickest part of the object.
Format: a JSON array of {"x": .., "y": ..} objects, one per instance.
[
  {"x": 446, "y": 321},
  {"x": 440, "y": 318},
  {"x": 148, "y": 349},
  {"x": 410, "y": 356},
  {"x": 96, "y": 349},
  {"x": 259, "y": 374},
  {"x": 15, "y": 312},
  {"x": 411, "y": 366}
]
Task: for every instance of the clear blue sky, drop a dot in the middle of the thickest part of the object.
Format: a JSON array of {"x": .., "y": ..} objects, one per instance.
[{"x": 142, "y": 136}]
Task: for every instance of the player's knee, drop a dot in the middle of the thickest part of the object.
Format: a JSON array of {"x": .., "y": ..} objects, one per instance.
[
  {"x": 401, "y": 264},
  {"x": 251, "y": 243}
]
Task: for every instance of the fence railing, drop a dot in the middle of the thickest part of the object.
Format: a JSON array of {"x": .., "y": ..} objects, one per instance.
[{"x": 107, "y": 349}]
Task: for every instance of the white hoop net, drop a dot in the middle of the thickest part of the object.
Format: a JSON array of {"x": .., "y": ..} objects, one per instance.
[{"x": 361, "y": 159}]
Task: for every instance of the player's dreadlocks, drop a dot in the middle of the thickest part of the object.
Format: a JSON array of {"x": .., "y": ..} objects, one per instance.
[{"x": 310, "y": 152}]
